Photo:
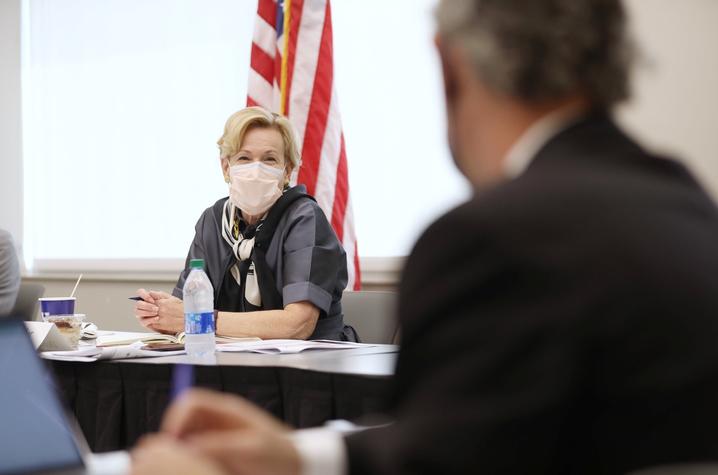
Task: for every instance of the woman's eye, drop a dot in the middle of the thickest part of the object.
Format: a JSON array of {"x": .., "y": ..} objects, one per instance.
[
  {"x": 270, "y": 160},
  {"x": 242, "y": 159}
]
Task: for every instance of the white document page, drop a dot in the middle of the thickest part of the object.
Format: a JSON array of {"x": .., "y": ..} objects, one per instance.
[
  {"x": 46, "y": 337},
  {"x": 288, "y": 346}
]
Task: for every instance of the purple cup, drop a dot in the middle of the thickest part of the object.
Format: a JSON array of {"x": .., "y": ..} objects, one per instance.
[{"x": 56, "y": 306}]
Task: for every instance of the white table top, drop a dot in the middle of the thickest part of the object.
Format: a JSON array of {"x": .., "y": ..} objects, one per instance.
[{"x": 377, "y": 360}]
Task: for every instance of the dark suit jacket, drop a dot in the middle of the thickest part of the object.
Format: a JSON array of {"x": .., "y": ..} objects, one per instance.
[{"x": 565, "y": 322}]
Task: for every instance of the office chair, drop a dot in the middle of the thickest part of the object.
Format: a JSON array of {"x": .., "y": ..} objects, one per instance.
[{"x": 372, "y": 314}]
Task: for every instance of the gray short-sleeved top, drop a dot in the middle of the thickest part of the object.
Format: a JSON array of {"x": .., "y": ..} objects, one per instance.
[
  {"x": 304, "y": 254},
  {"x": 9, "y": 273}
]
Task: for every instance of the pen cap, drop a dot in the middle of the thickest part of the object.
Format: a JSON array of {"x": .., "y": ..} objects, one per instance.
[{"x": 196, "y": 264}]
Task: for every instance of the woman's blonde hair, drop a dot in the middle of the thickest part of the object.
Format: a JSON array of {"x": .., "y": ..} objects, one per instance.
[{"x": 241, "y": 121}]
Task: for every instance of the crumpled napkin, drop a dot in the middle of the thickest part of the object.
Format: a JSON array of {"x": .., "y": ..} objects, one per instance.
[{"x": 89, "y": 331}]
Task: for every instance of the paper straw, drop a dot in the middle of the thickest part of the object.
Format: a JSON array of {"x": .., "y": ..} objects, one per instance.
[{"x": 76, "y": 284}]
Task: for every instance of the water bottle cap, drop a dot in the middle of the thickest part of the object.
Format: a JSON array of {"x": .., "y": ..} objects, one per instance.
[{"x": 196, "y": 264}]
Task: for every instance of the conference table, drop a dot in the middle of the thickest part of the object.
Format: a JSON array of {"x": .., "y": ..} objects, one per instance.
[{"x": 117, "y": 401}]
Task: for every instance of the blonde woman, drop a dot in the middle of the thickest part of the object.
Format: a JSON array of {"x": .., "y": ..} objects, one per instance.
[{"x": 277, "y": 268}]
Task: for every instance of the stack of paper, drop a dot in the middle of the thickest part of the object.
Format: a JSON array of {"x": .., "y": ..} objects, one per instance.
[
  {"x": 95, "y": 353},
  {"x": 46, "y": 337},
  {"x": 275, "y": 347},
  {"x": 269, "y": 347}
]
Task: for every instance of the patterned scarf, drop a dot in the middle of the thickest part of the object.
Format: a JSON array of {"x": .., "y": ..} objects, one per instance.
[{"x": 242, "y": 250}]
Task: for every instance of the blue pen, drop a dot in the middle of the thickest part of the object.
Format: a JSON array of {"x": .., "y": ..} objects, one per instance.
[{"x": 182, "y": 379}]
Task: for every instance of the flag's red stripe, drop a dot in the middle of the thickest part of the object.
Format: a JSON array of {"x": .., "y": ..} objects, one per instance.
[
  {"x": 267, "y": 9},
  {"x": 318, "y": 109},
  {"x": 262, "y": 63},
  {"x": 251, "y": 102},
  {"x": 357, "y": 271},
  {"x": 278, "y": 68},
  {"x": 341, "y": 192},
  {"x": 294, "y": 22}
]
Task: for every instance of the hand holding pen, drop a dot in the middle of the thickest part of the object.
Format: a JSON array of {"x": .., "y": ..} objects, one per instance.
[{"x": 159, "y": 311}]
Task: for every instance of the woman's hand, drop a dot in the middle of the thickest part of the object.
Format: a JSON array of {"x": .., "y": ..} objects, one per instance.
[
  {"x": 160, "y": 311},
  {"x": 145, "y": 309}
]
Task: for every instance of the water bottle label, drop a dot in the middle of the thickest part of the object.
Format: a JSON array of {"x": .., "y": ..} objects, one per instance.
[{"x": 199, "y": 323}]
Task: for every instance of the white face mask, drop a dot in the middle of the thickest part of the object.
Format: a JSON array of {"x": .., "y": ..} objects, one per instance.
[{"x": 254, "y": 187}]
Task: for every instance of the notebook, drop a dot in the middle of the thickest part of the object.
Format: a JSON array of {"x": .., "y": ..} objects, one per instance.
[
  {"x": 147, "y": 338},
  {"x": 130, "y": 338},
  {"x": 36, "y": 434}
]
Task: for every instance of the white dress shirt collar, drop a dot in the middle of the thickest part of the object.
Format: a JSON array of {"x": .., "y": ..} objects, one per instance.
[{"x": 523, "y": 151}]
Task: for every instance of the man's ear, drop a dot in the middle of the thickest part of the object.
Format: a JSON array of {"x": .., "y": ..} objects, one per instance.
[{"x": 225, "y": 168}]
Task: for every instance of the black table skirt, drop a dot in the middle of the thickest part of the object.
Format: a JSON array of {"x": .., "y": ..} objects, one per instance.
[{"x": 116, "y": 403}]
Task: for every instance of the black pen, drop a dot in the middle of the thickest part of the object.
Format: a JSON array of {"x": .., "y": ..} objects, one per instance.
[{"x": 136, "y": 298}]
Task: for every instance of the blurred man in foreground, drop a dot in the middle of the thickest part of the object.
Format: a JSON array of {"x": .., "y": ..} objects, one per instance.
[
  {"x": 564, "y": 320},
  {"x": 9, "y": 273}
]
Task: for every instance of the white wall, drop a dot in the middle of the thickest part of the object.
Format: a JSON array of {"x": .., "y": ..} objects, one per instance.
[
  {"x": 675, "y": 109},
  {"x": 104, "y": 298},
  {"x": 413, "y": 181},
  {"x": 10, "y": 131},
  {"x": 95, "y": 127},
  {"x": 675, "y": 103}
]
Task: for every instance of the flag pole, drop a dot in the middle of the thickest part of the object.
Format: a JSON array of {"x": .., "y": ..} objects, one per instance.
[{"x": 285, "y": 55}]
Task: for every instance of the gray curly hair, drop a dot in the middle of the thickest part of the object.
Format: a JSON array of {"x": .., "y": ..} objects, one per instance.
[{"x": 539, "y": 50}]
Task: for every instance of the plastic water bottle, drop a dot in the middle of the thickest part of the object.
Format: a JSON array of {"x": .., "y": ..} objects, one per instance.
[{"x": 198, "y": 313}]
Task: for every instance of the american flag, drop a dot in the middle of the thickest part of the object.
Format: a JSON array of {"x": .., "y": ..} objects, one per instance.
[{"x": 292, "y": 73}]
